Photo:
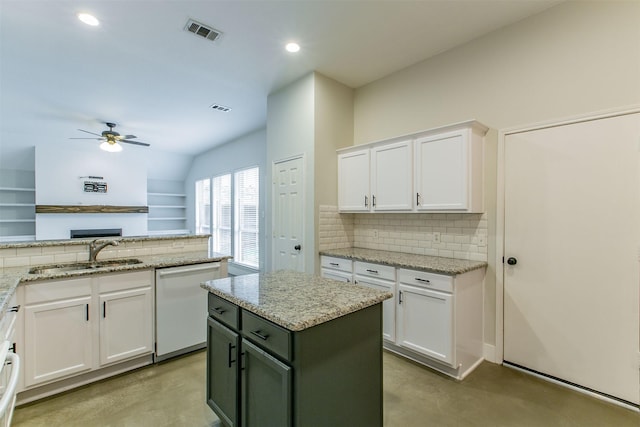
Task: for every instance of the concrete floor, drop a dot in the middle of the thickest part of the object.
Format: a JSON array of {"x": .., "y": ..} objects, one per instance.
[{"x": 172, "y": 394}]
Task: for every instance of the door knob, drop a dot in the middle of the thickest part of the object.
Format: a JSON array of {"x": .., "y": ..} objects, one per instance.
[
  {"x": 297, "y": 247},
  {"x": 512, "y": 261}
]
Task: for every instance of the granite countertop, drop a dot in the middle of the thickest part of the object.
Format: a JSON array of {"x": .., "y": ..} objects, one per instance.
[
  {"x": 434, "y": 264},
  {"x": 295, "y": 301},
  {"x": 11, "y": 278},
  {"x": 81, "y": 242}
]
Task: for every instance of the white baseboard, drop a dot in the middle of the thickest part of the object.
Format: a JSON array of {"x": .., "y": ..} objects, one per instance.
[{"x": 489, "y": 353}]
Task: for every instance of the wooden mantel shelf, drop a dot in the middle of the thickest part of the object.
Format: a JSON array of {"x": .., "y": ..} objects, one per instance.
[{"x": 55, "y": 209}]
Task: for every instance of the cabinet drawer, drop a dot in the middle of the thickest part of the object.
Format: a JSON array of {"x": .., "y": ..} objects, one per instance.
[
  {"x": 225, "y": 311},
  {"x": 336, "y": 263},
  {"x": 375, "y": 270},
  {"x": 52, "y": 290},
  {"x": 424, "y": 279},
  {"x": 267, "y": 335}
]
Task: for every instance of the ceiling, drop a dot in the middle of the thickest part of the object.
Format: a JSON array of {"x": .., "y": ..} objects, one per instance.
[{"x": 140, "y": 69}]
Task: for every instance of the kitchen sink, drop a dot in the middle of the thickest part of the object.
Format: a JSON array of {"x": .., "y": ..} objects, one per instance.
[{"x": 79, "y": 266}]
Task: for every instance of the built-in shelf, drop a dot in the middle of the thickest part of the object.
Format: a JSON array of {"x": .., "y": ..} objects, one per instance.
[
  {"x": 167, "y": 207},
  {"x": 17, "y": 205}
]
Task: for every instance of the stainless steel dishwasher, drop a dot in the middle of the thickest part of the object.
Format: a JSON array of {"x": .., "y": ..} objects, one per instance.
[{"x": 181, "y": 308}]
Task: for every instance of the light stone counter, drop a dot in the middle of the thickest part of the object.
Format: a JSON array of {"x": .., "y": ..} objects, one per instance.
[
  {"x": 12, "y": 277},
  {"x": 448, "y": 266},
  {"x": 295, "y": 301}
]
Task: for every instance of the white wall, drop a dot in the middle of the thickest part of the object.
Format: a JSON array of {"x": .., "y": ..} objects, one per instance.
[
  {"x": 246, "y": 151},
  {"x": 59, "y": 182},
  {"x": 290, "y": 132},
  {"x": 575, "y": 58}
]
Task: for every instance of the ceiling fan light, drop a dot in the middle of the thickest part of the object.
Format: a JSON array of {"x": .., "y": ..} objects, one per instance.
[
  {"x": 111, "y": 147},
  {"x": 88, "y": 19}
]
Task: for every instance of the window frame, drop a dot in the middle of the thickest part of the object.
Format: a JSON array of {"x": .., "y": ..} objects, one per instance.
[{"x": 235, "y": 233}]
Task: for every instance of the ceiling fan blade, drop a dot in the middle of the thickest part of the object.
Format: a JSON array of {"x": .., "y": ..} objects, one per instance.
[
  {"x": 144, "y": 144},
  {"x": 129, "y": 137},
  {"x": 96, "y": 134},
  {"x": 97, "y": 139}
]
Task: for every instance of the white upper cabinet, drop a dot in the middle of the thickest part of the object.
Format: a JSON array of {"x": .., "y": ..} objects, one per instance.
[
  {"x": 449, "y": 170},
  {"x": 353, "y": 181},
  {"x": 438, "y": 170},
  {"x": 391, "y": 177}
]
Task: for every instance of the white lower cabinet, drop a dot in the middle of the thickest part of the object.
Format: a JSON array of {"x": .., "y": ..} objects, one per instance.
[
  {"x": 439, "y": 318},
  {"x": 58, "y": 330},
  {"x": 383, "y": 278},
  {"x": 126, "y": 327},
  {"x": 78, "y": 325},
  {"x": 434, "y": 319},
  {"x": 336, "y": 268},
  {"x": 425, "y": 322}
]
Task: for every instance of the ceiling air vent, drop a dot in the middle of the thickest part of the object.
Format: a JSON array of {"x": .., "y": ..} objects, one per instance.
[
  {"x": 220, "y": 107},
  {"x": 202, "y": 30}
]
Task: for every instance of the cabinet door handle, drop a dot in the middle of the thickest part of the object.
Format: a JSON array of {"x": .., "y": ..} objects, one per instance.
[
  {"x": 366, "y": 201},
  {"x": 423, "y": 280},
  {"x": 260, "y": 335},
  {"x": 104, "y": 309},
  {"x": 373, "y": 201},
  {"x": 15, "y": 309},
  {"x": 229, "y": 351},
  {"x": 373, "y": 271},
  {"x": 335, "y": 264},
  {"x": 399, "y": 297},
  {"x": 417, "y": 199},
  {"x": 218, "y": 310},
  {"x": 86, "y": 309}
]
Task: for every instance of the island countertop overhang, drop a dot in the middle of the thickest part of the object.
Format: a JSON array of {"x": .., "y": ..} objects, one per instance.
[{"x": 295, "y": 301}]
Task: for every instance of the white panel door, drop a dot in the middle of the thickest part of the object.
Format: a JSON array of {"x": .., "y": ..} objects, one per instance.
[
  {"x": 353, "y": 181},
  {"x": 392, "y": 177},
  {"x": 58, "y": 339},
  {"x": 126, "y": 328},
  {"x": 442, "y": 171},
  {"x": 425, "y": 322},
  {"x": 572, "y": 222},
  {"x": 288, "y": 215}
]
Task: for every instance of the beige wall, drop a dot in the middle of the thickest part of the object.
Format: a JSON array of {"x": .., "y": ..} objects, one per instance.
[
  {"x": 573, "y": 59},
  {"x": 333, "y": 130}
]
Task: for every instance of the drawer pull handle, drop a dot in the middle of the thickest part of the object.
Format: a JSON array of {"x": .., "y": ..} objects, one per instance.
[
  {"x": 423, "y": 280},
  {"x": 15, "y": 309},
  {"x": 262, "y": 336},
  {"x": 230, "y": 350},
  {"x": 335, "y": 264},
  {"x": 373, "y": 271},
  {"x": 218, "y": 310}
]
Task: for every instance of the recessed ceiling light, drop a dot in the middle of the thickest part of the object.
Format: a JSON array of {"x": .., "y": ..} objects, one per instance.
[
  {"x": 88, "y": 19},
  {"x": 292, "y": 47}
]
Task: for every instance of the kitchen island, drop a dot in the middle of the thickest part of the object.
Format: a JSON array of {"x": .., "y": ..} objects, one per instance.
[{"x": 290, "y": 349}]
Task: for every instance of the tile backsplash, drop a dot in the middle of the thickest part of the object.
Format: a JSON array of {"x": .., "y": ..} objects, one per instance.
[
  {"x": 462, "y": 236},
  {"x": 66, "y": 252}
]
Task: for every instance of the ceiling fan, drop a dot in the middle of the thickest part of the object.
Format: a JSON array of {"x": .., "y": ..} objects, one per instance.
[{"x": 110, "y": 139}]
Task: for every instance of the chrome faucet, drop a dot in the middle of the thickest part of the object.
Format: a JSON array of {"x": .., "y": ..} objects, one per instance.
[{"x": 95, "y": 248}]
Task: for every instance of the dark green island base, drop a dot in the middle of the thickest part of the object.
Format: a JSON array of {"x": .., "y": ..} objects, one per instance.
[{"x": 324, "y": 369}]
